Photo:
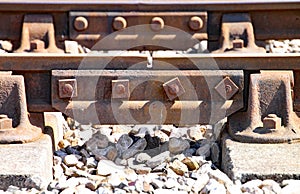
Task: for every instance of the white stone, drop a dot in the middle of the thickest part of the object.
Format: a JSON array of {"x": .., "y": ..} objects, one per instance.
[
  {"x": 106, "y": 167},
  {"x": 271, "y": 185},
  {"x": 116, "y": 179},
  {"x": 71, "y": 160},
  {"x": 200, "y": 183},
  {"x": 91, "y": 162},
  {"x": 195, "y": 133},
  {"x": 171, "y": 183},
  {"x": 252, "y": 186},
  {"x": 214, "y": 187}
]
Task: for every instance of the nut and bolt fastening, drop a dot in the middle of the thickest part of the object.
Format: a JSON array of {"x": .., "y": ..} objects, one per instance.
[
  {"x": 196, "y": 23},
  {"x": 119, "y": 23},
  {"x": 120, "y": 88},
  {"x": 5, "y": 122},
  {"x": 238, "y": 44},
  {"x": 272, "y": 121},
  {"x": 80, "y": 23},
  {"x": 157, "y": 24},
  {"x": 173, "y": 89},
  {"x": 68, "y": 89}
]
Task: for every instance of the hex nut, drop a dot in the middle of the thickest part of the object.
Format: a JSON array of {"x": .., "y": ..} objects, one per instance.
[
  {"x": 5, "y": 122},
  {"x": 67, "y": 88},
  {"x": 272, "y": 122}
]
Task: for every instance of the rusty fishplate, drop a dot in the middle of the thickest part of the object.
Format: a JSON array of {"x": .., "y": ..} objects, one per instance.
[
  {"x": 149, "y": 96},
  {"x": 145, "y": 29}
]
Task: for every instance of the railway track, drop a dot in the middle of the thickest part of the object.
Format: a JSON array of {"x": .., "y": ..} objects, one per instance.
[{"x": 150, "y": 62}]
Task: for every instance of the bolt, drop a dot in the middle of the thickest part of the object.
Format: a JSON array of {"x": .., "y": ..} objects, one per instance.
[
  {"x": 238, "y": 44},
  {"x": 37, "y": 45},
  {"x": 68, "y": 89},
  {"x": 80, "y": 23},
  {"x": 120, "y": 89},
  {"x": 196, "y": 23},
  {"x": 173, "y": 89},
  {"x": 119, "y": 23},
  {"x": 272, "y": 122},
  {"x": 228, "y": 88},
  {"x": 5, "y": 122},
  {"x": 157, "y": 24}
]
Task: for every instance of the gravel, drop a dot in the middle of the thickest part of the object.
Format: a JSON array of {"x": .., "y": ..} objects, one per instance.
[{"x": 145, "y": 159}]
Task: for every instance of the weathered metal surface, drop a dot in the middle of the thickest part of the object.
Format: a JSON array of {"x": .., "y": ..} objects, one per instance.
[
  {"x": 270, "y": 117},
  {"x": 38, "y": 34},
  {"x": 237, "y": 34},
  {"x": 145, "y": 29},
  {"x": 14, "y": 123},
  {"x": 200, "y": 103}
]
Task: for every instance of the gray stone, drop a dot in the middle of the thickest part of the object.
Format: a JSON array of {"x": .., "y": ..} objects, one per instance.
[
  {"x": 157, "y": 160},
  {"x": 139, "y": 168},
  {"x": 106, "y": 167},
  {"x": 137, "y": 147},
  {"x": 123, "y": 143},
  {"x": 203, "y": 151},
  {"x": 178, "y": 145},
  {"x": 26, "y": 163},
  {"x": 265, "y": 161},
  {"x": 97, "y": 141},
  {"x": 215, "y": 153},
  {"x": 112, "y": 153}
]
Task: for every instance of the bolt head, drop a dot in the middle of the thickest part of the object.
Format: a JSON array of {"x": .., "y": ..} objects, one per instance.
[
  {"x": 119, "y": 23},
  {"x": 196, "y": 23},
  {"x": 157, "y": 24},
  {"x": 68, "y": 89},
  {"x": 5, "y": 122},
  {"x": 120, "y": 89},
  {"x": 173, "y": 88},
  {"x": 238, "y": 44},
  {"x": 272, "y": 122},
  {"x": 80, "y": 23}
]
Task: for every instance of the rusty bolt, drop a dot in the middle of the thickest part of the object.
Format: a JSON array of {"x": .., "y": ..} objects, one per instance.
[
  {"x": 80, "y": 23},
  {"x": 238, "y": 43},
  {"x": 67, "y": 89},
  {"x": 196, "y": 23},
  {"x": 5, "y": 122},
  {"x": 37, "y": 45},
  {"x": 272, "y": 122},
  {"x": 157, "y": 24},
  {"x": 228, "y": 89},
  {"x": 173, "y": 89},
  {"x": 119, "y": 23},
  {"x": 120, "y": 89}
]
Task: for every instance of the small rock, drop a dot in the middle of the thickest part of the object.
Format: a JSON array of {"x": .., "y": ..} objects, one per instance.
[
  {"x": 190, "y": 163},
  {"x": 178, "y": 145},
  {"x": 170, "y": 183},
  {"x": 92, "y": 185},
  {"x": 147, "y": 187},
  {"x": 112, "y": 153},
  {"x": 115, "y": 179},
  {"x": 82, "y": 190},
  {"x": 91, "y": 162},
  {"x": 162, "y": 136},
  {"x": 121, "y": 162},
  {"x": 178, "y": 167},
  {"x": 290, "y": 187},
  {"x": 271, "y": 185},
  {"x": 195, "y": 133},
  {"x": 200, "y": 183},
  {"x": 130, "y": 174},
  {"x": 106, "y": 167},
  {"x": 105, "y": 131},
  {"x": 157, "y": 160},
  {"x": 179, "y": 132},
  {"x": 215, "y": 153},
  {"x": 203, "y": 151},
  {"x": 220, "y": 177},
  {"x": 142, "y": 157},
  {"x": 119, "y": 191},
  {"x": 98, "y": 140},
  {"x": 145, "y": 130},
  {"x": 71, "y": 160},
  {"x": 139, "y": 168},
  {"x": 61, "y": 153},
  {"x": 252, "y": 186},
  {"x": 68, "y": 191},
  {"x": 214, "y": 187},
  {"x": 63, "y": 143},
  {"x": 123, "y": 143},
  {"x": 152, "y": 142},
  {"x": 58, "y": 172},
  {"x": 137, "y": 147}
]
